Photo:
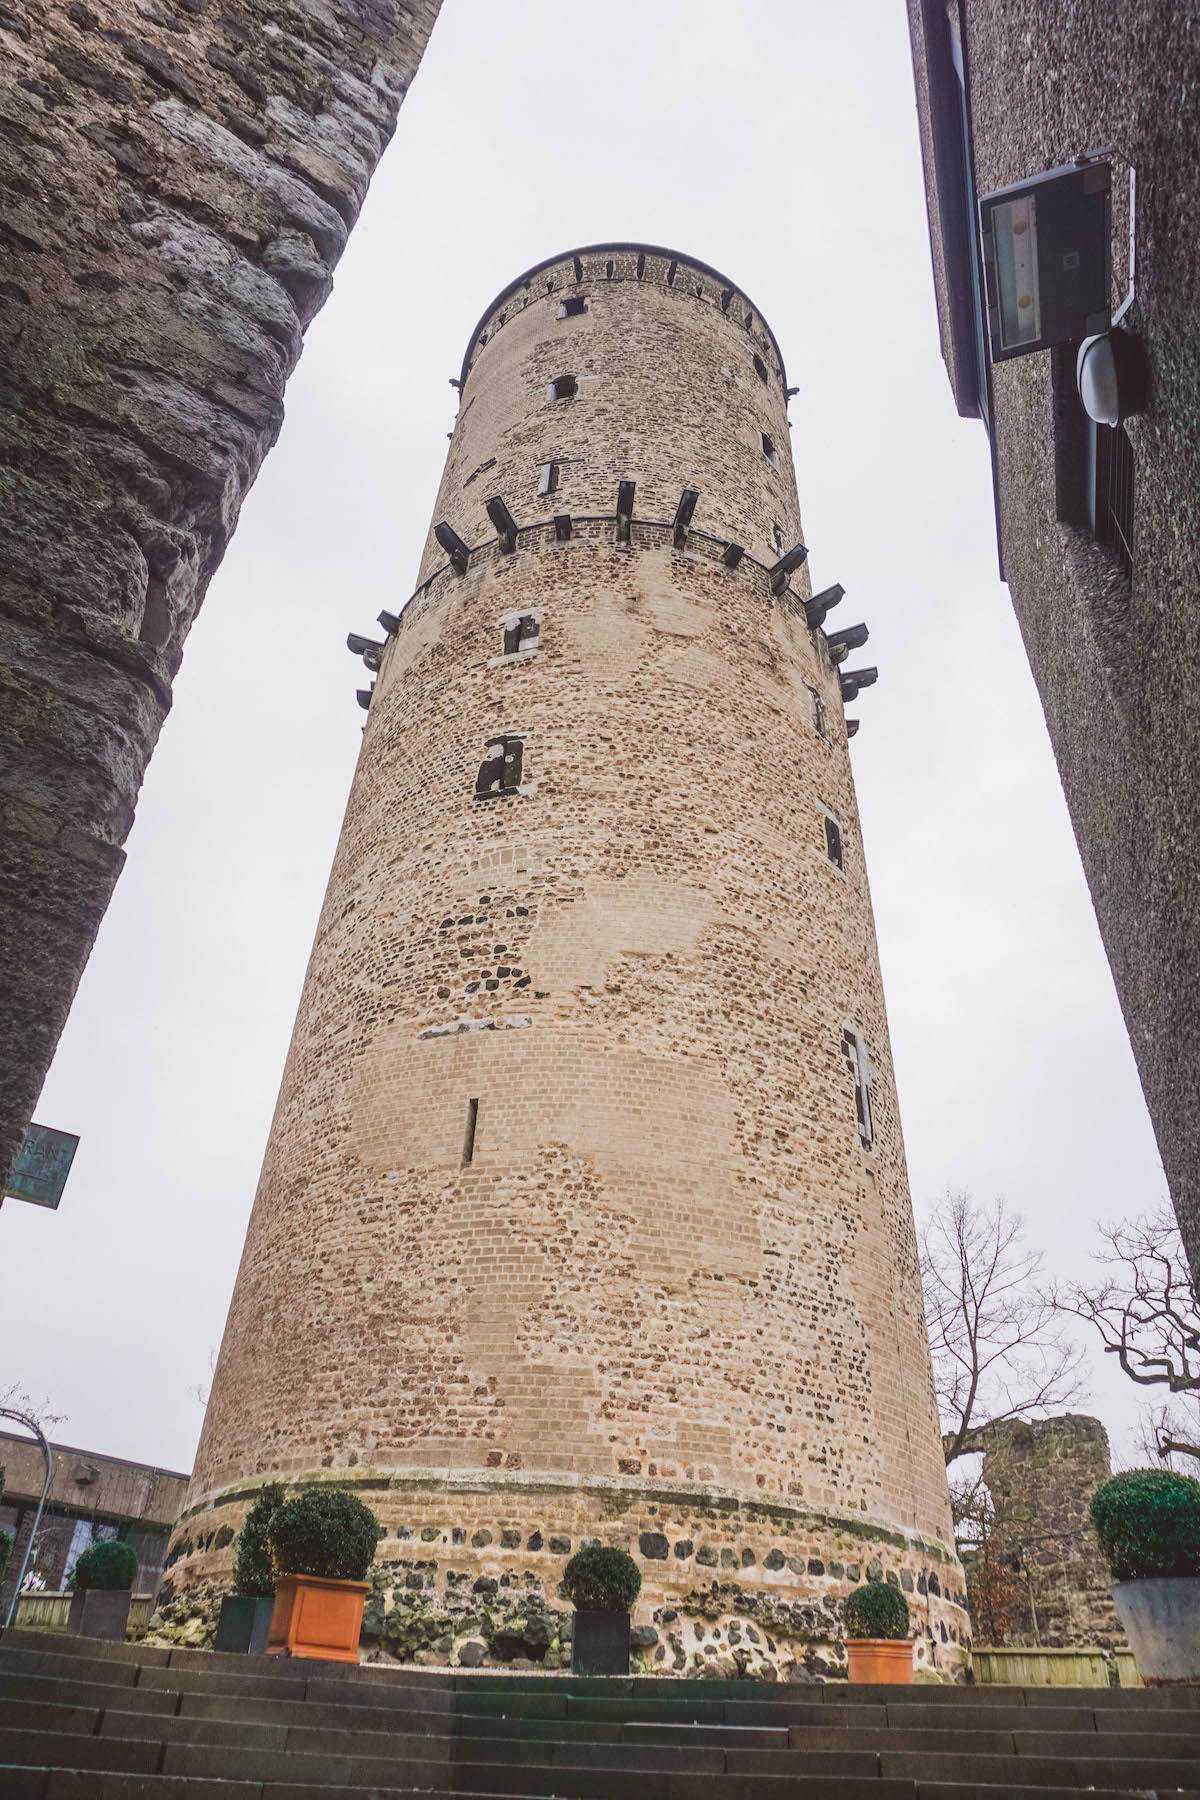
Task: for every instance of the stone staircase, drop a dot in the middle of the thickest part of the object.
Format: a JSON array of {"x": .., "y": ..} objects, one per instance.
[{"x": 83, "y": 1720}]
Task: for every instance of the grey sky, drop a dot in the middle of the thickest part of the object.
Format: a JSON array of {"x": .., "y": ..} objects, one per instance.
[{"x": 777, "y": 141}]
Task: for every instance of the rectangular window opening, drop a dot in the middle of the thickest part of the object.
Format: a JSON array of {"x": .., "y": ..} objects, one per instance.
[
  {"x": 564, "y": 387},
  {"x": 760, "y": 368},
  {"x": 500, "y": 770},
  {"x": 818, "y": 712},
  {"x": 548, "y": 478},
  {"x": 777, "y": 538},
  {"x": 481, "y": 470},
  {"x": 468, "y": 1154},
  {"x": 573, "y": 307},
  {"x": 769, "y": 450},
  {"x": 833, "y": 842}
]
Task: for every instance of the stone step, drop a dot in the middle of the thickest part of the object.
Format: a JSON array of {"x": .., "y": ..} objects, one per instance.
[{"x": 26, "y": 1783}]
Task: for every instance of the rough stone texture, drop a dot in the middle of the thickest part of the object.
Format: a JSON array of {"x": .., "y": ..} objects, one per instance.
[
  {"x": 177, "y": 182},
  {"x": 1041, "y": 1477},
  {"x": 1118, "y": 670},
  {"x": 670, "y": 1300}
]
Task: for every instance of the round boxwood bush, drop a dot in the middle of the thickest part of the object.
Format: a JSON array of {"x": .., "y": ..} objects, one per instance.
[
  {"x": 324, "y": 1531},
  {"x": 1148, "y": 1523},
  {"x": 109, "y": 1565},
  {"x": 253, "y": 1570},
  {"x": 599, "y": 1578},
  {"x": 877, "y": 1610}
]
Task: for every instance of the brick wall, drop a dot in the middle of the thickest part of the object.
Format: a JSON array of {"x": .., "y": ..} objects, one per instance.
[
  {"x": 177, "y": 182},
  {"x": 670, "y": 1293}
]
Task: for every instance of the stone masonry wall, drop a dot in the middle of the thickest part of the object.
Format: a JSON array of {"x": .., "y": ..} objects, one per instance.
[
  {"x": 565, "y": 1227},
  {"x": 177, "y": 182},
  {"x": 1041, "y": 1477},
  {"x": 1117, "y": 664}
]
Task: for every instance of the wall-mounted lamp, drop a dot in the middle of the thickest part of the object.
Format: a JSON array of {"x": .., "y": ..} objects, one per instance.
[{"x": 1047, "y": 254}]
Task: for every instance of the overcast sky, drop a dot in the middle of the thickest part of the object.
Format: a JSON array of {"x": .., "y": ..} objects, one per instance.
[{"x": 776, "y": 140}]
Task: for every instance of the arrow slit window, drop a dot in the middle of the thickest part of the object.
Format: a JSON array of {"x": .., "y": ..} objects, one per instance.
[{"x": 860, "y": 1067}]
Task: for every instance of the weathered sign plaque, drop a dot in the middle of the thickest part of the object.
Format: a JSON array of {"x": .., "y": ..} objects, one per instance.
[{"x": 42, "y": 1166}]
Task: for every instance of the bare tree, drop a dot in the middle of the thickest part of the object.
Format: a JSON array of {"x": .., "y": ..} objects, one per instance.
[
  {"x": 999, "y": 1351},
  {"x": 1146, "y": 1309}
]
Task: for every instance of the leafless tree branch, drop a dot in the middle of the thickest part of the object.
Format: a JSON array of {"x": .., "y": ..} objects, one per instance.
[
  {"x": 1145, "y": 1307},
  {"x": 998, "y": 1350}
]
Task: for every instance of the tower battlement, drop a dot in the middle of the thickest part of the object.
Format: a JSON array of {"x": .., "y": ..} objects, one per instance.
[{"x": 584, "y": 1212}]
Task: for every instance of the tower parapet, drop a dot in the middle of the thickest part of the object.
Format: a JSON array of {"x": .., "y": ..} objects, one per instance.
[{"x": 584, "y": 1212}]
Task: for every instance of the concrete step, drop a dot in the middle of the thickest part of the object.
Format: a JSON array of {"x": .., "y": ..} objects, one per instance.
[{"x": 25, "y": 1783}]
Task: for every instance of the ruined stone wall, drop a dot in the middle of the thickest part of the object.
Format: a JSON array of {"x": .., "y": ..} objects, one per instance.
[
  {"x": 1117, "y": 665},
  {"x": 177, "y": 182},
  {"x": 565, "y": 1227},
  {"x": 1041, "y": 1477}
]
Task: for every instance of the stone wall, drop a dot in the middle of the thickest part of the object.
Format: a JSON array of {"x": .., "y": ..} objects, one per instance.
[
  {"x": 566, "y": 1227},
  {"x": 177, "y": 182},
  {"x": 1117, "y": 665},
  {"x": 1041, "y": 1477}
]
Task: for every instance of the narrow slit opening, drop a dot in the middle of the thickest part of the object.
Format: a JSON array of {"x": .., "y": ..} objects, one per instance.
[{"x": 468, "y": 1154}]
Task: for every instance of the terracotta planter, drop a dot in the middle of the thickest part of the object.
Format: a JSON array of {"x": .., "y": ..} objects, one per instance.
[
  {"x": 880, "y": 1659},
  {"x": 317, "y": 1618}
]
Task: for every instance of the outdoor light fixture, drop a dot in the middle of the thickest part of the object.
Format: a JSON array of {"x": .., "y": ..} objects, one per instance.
[
  {"x": 1047, "y": 256},
  {"x": 822, "y": 603},
  {"x": 683, "y": 515},
  {"x": 1111, "y": 374},
  {"x": 390, "y": 623},
  {"x": 625, "y": 493},
  {"x": 502, "y": 519},
  {"x": 841, "y": 643},
  {"x": 733, "y": 555},
  {"x": 453, "y": 545},
  {"x": 790, "y": 560},
  {"x": 855, "y": 679}
]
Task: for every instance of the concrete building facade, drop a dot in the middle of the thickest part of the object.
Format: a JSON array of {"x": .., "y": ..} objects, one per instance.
[
  {"x": 584, "y": 1212},
  {"x": 91, "y": 1497},
  {"x": 177, "y": 182},
  {"x": 1097, "y": 525}
]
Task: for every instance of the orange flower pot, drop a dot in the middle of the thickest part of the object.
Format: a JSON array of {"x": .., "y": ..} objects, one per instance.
[
  {"x": 317, "y": 1618},
  {"x": 880, "y": 1659}
]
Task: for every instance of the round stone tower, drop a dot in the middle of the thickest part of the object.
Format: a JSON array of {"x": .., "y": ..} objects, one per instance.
[{"x": 584, "y": 1212}]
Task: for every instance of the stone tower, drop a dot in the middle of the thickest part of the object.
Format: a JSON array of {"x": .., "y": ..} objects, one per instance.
[{"x": 584, "y": 1211}]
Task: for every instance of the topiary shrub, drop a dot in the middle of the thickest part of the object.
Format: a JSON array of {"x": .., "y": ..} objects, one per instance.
[
  {"x": 1148, "y": 1523},
  {"x": 112, "y": 1564},
  {"x": 599, "y": 1578},
  {"x": 324, "y": 1531},
  {"x": 253, "y": 1569},
  {"x": 877, "y": 1610}
]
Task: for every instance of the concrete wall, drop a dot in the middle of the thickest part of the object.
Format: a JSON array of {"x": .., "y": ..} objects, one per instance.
[
  {"x": 177, "y": 182},
  {"x": 1117, "y": 666},
  {"x": 141, "y": 1502},
  {"x": 670, "y": 1300}
]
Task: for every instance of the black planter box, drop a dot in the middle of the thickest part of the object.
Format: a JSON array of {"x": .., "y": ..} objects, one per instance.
[
  {"x": 243, "y": 1624},
  {"x": 601, "y": 1644},
  {"x": 100, "y": 1613}
]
